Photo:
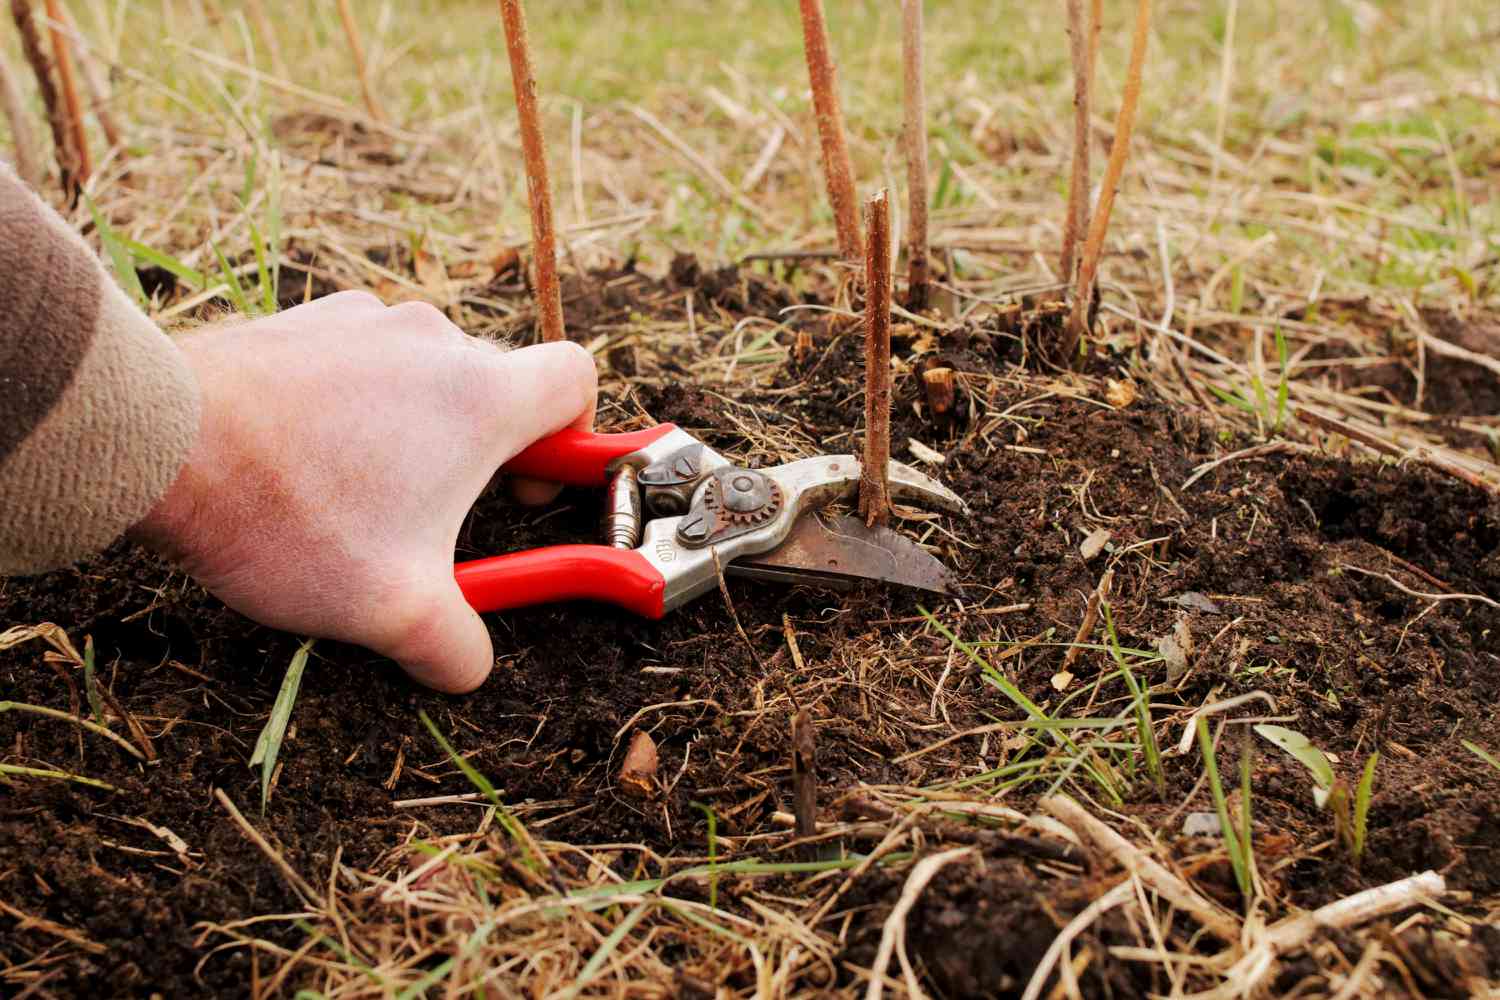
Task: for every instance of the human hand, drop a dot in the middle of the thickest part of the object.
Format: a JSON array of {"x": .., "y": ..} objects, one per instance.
[{"x": 341, "y": 445}]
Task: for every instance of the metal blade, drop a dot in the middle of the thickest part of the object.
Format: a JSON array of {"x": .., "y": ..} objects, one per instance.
[{"x": 842, "y": 552}]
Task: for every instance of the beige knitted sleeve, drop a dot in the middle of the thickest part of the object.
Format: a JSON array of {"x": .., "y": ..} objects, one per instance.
[{"x": 98, "y": 408}]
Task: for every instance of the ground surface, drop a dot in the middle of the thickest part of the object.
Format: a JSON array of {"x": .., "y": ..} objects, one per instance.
[
  {"x": 1262, "y": 541},
  {"x": 1319, "y": 175}
]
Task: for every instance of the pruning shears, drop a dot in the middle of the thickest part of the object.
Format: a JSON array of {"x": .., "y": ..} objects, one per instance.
[{"x": 678, "y": 514}]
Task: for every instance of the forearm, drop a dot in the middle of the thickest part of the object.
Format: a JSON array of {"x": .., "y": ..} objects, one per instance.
[{"x": 98, "y": 408}]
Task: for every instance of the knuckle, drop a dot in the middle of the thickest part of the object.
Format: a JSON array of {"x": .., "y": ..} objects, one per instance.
[
  {"x": 357, "y": 298},
  {"x": 422, "y": 315}
]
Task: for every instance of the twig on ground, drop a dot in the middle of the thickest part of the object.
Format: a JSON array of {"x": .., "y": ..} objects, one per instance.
[
  {"x": 915, "y": 95},
  {"x": 874, "y": 482},
  {"x": 836, "y": 166},
  {"x": 538, "y": 187},
  {"x": 893, "y": 933},
  {"x": 30, "y": 923},
  {"x": 62, "y": 53},
  {"x": 295, "y": 881},
  {"x": 1093, "y": 247},
  {"x": 23, "y": 142},
  {"x": 1377, "y": 443},
  {"x": 1417, "y": 593},
  {"x": 1295, "y": 932},
  {"x": 1187, "y": 899},
  {"x": 1077, "y": 221},
  {"x": 357, "y": 50},
  {"x": 1257, "y": 451},
  {"x": 1090, "y": 619},
  {"x": 804, "y": 774},
  {"x": 36, "y": 57}
]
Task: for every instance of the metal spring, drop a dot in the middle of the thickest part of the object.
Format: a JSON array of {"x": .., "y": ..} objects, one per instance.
[{"x": 622, "y": 510}]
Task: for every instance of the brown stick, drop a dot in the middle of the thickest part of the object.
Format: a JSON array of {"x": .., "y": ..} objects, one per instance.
[
  {"x": 36, "y": 57},
  {"x": 804, "y": 774},
  {"x": 836, "y": 166},
  {"x": 61, "y": 51},
  {"x": 95, "y": 81},
  {"x": 874, "y": 481},
  {"x": 20, "y": 129},
  {"x": 267, "y": 36},
  {"x": 916, "y": 154},
  {"x": 1385, "y": 447},
  {"x": 1096, "y": 24},
  {"x": 1118, "y": 150},
  {"x": 1077, "y": 221},
  {"x": 543, "y": 239},
  {"x": 351, "y": 29}
]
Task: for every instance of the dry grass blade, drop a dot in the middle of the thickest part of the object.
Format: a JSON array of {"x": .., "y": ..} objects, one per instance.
[
  {"x": 893, "y": 933},
  {"x": 538, "y": 187},
  {"x": 837, "y": 168},
  {"x": 268, "y": 744},
  {"x": 297, "y": 883},
  {"x": 357, "y": 50},
  {"x": 62, "y": 53},
  {"x": 1096, "y": 909},
  {"x": 18, "y": 771},
  {"x": 915, "y": 101},
  {"x": 874, "y": 480},
  {"x": 93, "y": 727},
  {"x": 1077, "y": 221},
  {"x": 1093, "y": 247},
  {"x": 23, "y": 144},
  {"x": 1214, "y": 920},
  {"x": 267, "y": 35}
]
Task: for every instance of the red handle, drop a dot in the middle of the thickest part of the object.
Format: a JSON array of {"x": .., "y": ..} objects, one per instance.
[
  {"x": 579, "y": 458},
  {"x": 564, "y": 573}
]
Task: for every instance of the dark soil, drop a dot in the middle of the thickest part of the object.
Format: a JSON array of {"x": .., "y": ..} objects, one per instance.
[{"x": 1357, "y": 661}]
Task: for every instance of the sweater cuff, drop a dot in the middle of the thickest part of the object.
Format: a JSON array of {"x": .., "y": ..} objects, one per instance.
[{"x": 98, "y": 408}]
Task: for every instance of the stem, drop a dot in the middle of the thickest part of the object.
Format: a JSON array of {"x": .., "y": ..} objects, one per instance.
[
  {"x": 1077, "y": 221},
  {"x": 20, "y": 130},
  {"x": 61, "y": 51},
  {"x": 874, "y": 482},
  {"x": 544, "y": 241},
  {"x": 1118, "y": 150},
  {"x": 31, "y": 46},
  {"x": 916, "y": 153},
  {"x": 351, "y": 29},
  {"x": 836, "y": 166},
  {"x": 96, "y": 83},
  {"x": 267, "y": 36}
]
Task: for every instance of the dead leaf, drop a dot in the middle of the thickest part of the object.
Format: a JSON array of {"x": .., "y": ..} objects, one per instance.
[
  {"x": 1094, "y": 544},
  {"x": 1120, "y": 393},
  {"x": 638, "y": 773},
  {"x": 1196, "y": 601}
]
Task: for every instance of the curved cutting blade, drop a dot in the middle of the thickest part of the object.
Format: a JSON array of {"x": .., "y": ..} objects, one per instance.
[{"x": 842, "y": 552}]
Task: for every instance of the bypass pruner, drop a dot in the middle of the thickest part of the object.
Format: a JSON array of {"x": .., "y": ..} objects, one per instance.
[{"x": 673, "y": 504}]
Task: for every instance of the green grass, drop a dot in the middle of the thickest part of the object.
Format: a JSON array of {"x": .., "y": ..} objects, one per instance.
[{"x": 268, "y": 744}]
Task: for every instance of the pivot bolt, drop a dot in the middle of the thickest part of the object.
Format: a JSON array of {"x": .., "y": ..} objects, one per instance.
[{"x": 744, "y": 492}]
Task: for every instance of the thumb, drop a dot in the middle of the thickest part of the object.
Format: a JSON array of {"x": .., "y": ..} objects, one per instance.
[{"x": 444, "y": 644}]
